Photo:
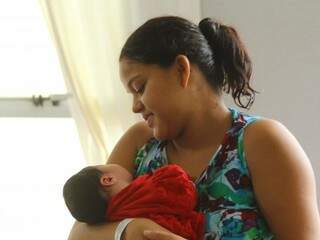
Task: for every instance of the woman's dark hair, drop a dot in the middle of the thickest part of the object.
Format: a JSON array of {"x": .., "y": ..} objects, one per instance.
[
  {"x": 83, "y": 196},
  {"x": 215, "y": 48}
]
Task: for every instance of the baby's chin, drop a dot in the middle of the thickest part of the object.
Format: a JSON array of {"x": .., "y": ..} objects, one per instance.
[{"x": 117, "y": 188}]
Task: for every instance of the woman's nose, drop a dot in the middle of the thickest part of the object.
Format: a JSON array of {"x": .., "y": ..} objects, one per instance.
[{"x": 137, "y": 105}]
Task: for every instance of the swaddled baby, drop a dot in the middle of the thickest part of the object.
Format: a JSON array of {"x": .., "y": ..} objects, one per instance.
[{"x": 109, "y": 193}]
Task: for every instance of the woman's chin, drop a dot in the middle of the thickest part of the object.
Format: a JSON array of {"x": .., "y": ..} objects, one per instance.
[
  {"x": 158, "y": 134},
  {"x": 161, "y": 134}
]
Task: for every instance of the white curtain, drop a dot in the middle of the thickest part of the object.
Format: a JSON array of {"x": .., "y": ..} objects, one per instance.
[{"x": 88, "y": 35}]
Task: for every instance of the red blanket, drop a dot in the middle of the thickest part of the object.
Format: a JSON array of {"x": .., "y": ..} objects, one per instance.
[{"x": 167, "y": 196}]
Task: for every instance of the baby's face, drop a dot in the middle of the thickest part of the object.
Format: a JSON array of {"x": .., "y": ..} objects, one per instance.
[
  {"x": 119, "y": 172},
  {"x": 114, "y": 178}
]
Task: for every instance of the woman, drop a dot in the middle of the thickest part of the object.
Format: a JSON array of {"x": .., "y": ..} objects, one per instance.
[{"x": 254, "y": 181}]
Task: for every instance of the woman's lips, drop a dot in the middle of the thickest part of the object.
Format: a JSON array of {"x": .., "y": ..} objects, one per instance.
[{"x": 150, "y": 120}]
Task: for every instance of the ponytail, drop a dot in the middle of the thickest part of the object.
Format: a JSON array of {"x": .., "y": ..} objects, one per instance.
[{"x": 233, "y": 66}]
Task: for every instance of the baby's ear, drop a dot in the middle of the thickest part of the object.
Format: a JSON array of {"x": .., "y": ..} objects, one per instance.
[{"x": 107, "y": 180}]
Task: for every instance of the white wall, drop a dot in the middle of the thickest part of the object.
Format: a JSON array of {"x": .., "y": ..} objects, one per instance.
[
  {"x": 283, "y": 39},
  {"x": 142, "y": 10}
]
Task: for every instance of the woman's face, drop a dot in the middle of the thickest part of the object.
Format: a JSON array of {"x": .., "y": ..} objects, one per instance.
[{"x": 157, "y": 95}]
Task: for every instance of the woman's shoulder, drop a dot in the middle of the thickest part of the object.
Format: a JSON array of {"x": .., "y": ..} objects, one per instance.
[
  {"x": 268, "y": 142},
  {"x": 282, "y": 178},
  {"x": 126, "y": 148},
  {"x": 265, "y": 135},
  {"x": 140, "y": 134},
  {"x": 264, "y": 131},
  {"x": 264, "y": 143},
  {"x": 270, "y": 148},
  {"x": 262, "y": 126}
]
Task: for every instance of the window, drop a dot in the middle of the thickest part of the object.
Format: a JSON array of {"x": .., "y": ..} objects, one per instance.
[
  {"x": 39, "y": 145},
  {"x": 28, "y": 61},
  {"x": 37, "y": 157}
]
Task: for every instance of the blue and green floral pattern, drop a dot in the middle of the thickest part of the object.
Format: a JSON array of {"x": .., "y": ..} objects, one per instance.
[{"x": 225, "y": 192}]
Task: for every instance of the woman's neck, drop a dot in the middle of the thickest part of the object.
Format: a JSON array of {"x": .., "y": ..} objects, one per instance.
[{"x": 203, "y": 130}]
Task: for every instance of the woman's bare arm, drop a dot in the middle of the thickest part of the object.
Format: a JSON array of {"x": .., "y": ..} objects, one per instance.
[
  {"x": 133, "y": 231},
  {"x": 126, "y": 149},
  {"x": 283, "y": 181},
  {"x": 83, "y": 231},
  {"x": 123, "y": 154}
]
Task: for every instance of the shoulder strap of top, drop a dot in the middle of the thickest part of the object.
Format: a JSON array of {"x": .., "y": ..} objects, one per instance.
[
  {"x": 246, "y": 120},
  {"x": 149, "y": 157},
  {"x": 240, "y": 121}
]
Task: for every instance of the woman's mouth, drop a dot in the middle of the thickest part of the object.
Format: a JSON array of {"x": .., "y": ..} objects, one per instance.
[{"x": 150, "y": 120}]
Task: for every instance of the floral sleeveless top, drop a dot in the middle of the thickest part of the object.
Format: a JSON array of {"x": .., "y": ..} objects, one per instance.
[{"x": 224, "y": 188}]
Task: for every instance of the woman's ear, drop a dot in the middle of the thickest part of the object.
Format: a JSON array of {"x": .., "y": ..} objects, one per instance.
[
  {"x": 183, "y": 65},
  {"x": 107, "y": 180}
]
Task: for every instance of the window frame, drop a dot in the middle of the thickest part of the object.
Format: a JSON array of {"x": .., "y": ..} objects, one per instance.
[{"x": 53, "y": 106}]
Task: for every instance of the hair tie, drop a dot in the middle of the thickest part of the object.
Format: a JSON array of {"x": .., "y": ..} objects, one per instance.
[{"x": 209, "y": 28}]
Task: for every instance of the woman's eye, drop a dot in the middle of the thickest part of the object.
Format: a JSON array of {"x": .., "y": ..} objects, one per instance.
[{"x": 141, "y": 89}]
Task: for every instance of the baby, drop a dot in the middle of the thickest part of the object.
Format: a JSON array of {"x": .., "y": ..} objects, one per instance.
[{"x": 109, "y": 193}]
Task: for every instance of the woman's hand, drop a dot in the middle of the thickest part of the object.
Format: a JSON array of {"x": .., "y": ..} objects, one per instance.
[{"x": 161, "y": 235}]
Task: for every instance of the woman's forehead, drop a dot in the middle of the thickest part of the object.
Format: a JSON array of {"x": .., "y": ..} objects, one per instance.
[
  {"x": 131, "y": 68},
  {"x": 128, "y": 68}
]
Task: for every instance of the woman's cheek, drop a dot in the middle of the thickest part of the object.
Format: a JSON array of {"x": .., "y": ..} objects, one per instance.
[{"x": 147, "y": 102}]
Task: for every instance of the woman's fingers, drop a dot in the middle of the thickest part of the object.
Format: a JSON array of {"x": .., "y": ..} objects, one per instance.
[{"x": 160, "y": 235}]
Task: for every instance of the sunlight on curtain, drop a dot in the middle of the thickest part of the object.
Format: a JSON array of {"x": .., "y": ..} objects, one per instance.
[{"x": 88, "y": 36}]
